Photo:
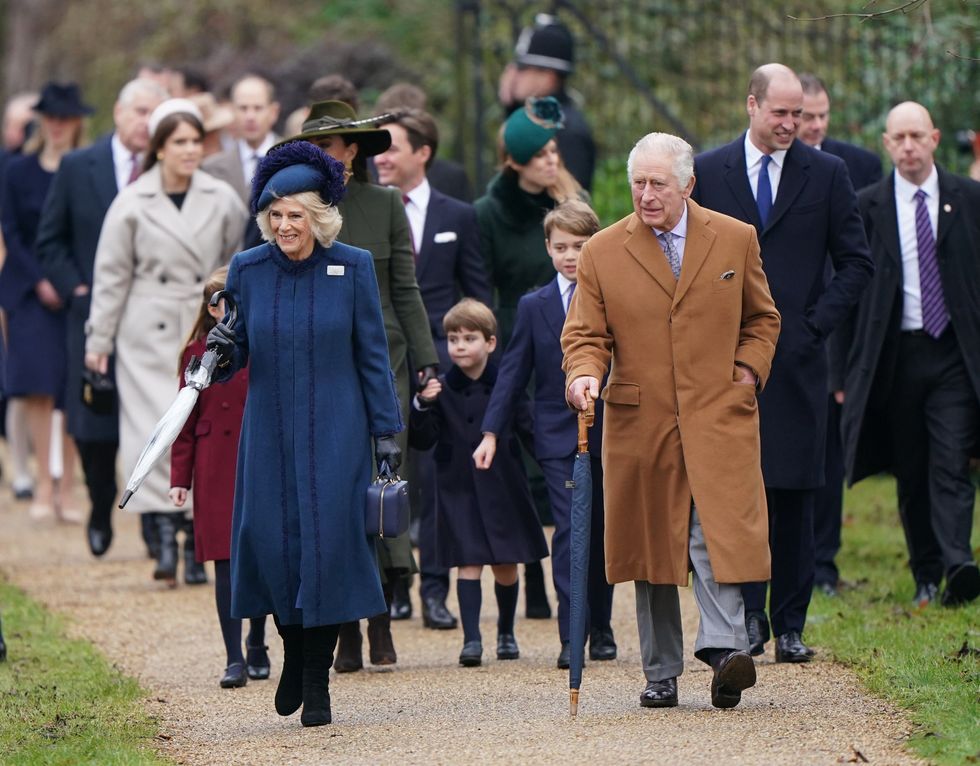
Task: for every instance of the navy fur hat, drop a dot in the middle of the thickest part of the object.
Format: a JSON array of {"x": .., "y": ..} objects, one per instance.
[{"x": 298, "y": 166}]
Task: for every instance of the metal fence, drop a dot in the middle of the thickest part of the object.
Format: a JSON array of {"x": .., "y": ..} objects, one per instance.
[{"x": 683, "y": 67}]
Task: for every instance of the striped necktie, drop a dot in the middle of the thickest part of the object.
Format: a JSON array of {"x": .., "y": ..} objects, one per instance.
[{"x": 935, "y": 317}]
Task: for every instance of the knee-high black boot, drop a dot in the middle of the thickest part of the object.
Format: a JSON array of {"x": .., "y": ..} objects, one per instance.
[
  {"x": 318, "y": 646},
  {"x": 289, "y": 695},
  {"x": 166, "y": 568},
  {"x": 194, "y": 573}
]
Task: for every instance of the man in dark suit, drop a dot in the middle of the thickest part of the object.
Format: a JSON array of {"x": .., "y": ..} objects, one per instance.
[
  {"x": 864, "y": 167},
  {"x": 448, "y": 266},
  {"x": 256, "y": 110},
  {"x": 913, "y": 372},
  {"x": 68, "y": 233},
  {"x": 803, "y": 205}
]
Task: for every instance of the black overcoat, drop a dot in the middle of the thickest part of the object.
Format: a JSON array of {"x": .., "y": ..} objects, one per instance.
[
  {"x": 482, "y": 517},
  {"x": 873, "y": 339},
  {"x": 815, "y": 217}
]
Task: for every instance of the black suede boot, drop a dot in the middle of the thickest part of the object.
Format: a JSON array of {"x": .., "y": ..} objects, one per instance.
[
  {"x": 349, "y": 656},
  {"x": 318, "y": 646},
  {"x": 289, "y": 694},
  {"x": 194, "y": 573},
  {"x": 166, "y": 568},
  {"x": 380, "y": 643}
]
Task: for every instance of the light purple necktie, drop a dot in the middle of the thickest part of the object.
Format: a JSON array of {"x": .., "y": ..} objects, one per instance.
[{"x": 934, "y": 314}]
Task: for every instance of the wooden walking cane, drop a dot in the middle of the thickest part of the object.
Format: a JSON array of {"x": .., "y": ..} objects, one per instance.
[{"x": 582, "y": 496}]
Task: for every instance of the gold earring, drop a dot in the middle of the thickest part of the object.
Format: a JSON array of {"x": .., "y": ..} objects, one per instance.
[
  {"x": 348, "y": 173},
  {"x": 159, "y": 156}
]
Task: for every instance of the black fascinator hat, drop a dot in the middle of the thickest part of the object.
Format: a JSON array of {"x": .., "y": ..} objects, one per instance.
[{"x": 296, "y": 167}]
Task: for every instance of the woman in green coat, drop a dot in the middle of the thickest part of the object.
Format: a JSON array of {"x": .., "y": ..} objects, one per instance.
[
  {"x": 374, "y": 219},
  {"x": 532, "y": 180}
]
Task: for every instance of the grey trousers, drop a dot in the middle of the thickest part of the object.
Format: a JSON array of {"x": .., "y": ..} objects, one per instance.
[{"x": 658, "y": 615}]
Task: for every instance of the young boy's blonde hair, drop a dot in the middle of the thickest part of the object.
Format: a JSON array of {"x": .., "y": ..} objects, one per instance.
[
  {"x": 572, "y": 216},
  {"x": 470, "y": 314}
]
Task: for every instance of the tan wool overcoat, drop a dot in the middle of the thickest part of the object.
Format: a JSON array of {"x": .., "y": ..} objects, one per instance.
[
  {"x": 677, "y": 424},
  {"x": 150, "y": 267}
]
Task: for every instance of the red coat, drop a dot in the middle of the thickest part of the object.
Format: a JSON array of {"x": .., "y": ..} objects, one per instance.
[{"x": 204, "y": 458}]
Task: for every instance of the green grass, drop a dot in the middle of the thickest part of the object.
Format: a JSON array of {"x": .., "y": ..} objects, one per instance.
[
  {"x": 925, "y": 662},
  {"x": 60, "y": 701}
]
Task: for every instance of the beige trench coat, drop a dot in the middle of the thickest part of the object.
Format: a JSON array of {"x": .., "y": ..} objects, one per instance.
[
  {"x": 677, "y": 425},
  {"x": 150, "y": 267}
]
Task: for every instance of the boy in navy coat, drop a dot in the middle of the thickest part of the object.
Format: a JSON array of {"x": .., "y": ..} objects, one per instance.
[
  {"x": 483, "y": 515},
  {"x": 535, "y": 348}
]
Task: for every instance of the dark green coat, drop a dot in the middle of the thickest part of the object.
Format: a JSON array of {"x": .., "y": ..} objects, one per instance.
[
  {"x": 374, "y": 219},
  {"x": 512, "y": 241}
]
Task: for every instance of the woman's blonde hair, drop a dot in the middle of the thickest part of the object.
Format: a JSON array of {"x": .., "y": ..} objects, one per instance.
[
  {"x": 35, "y": 144},
  {"x": 564, "y": 188},
  {"x": 325, "y": 220},
  {"x": 204, "y": 322}
]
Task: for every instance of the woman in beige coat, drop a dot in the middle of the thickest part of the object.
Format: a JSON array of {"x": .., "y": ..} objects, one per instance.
[{"x": 163, "y": 235}]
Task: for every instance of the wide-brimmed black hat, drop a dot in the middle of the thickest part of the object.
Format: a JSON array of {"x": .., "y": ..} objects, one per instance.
[
  {"x": 62, "y": 100},
  {"x": 335, "y": 118}
]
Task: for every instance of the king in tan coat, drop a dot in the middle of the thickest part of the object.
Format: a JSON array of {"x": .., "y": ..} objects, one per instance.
[{"x": 672, "y": 302}]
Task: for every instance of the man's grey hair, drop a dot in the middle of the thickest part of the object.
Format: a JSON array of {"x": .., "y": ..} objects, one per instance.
[
  {"x": 141, "y": 85},
  {"x": 665, "y": 145}
]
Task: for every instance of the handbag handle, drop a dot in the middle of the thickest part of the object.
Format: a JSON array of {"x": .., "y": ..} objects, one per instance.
[{"x": 385, "y": 472}]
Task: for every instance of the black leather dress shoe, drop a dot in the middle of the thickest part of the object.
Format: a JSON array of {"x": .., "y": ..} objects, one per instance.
[
  {"x": 401, "y": 604},
  {"x": 565, "y": 655},
  {"x": 257, "y": 662},
  {"x": 235, "y": 676},
  {"x": 472, "y": 654},
  {"x": 790, "y": 648},
  {"x": 925, "y": 594},
  {"x": 828, "y": 589},
  {"x": 99, "y": 540},
  {"x": 734, "y": 671},
  {"x": 435, "y": 615},
  {"x": 507, "y": 647},
  {"x": 602, "y": 645},
  {"x": 757, "y": 628},
  {"x": 660, "y": 694},
  {"x": 962, "y": 585}
]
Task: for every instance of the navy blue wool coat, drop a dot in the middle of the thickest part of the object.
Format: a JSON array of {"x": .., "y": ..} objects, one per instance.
[
  {"x": 482, "y": 517},
  {"x": 320, "y": 385}
]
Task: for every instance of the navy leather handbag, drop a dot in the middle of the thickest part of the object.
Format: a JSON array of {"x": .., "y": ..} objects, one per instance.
[{"x": 386, "y": 509}]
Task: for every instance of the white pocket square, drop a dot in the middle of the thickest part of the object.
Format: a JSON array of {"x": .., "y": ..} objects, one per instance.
[{"x": 445, "y": 236}]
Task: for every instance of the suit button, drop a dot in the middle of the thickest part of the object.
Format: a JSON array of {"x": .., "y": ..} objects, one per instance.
[
  {"x": 225, "y": 405},
  {"x": 469, "y": 419},
  {"x": 200, "y": 278},
  {"x": 227, "y": 432},
  {"x": 161, "y": 326},
  {"x": 163, "y": 279}
]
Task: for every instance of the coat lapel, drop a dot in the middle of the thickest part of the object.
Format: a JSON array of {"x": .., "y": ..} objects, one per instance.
[
  {"x": 179, "y": 224},
  {"x": 642, "y": 244},
  {"x": 793, "y": 178},
  {"x": 699, "y": 241},
  {"x": 429, "y": 231},
  {"x": 552, "y": 308},
  {"x": 885, "y": 217},
  {"x": 103, "y": 170},
  {"x": 949, "y": 206},
  {"x": 736, "y": 176}
]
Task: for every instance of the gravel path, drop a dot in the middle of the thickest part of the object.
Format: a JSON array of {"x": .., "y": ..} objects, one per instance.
[{"x": 428, "y": 709}]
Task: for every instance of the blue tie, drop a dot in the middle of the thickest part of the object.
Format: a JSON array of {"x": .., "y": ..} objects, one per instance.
[{"x": 763, "y": 197}]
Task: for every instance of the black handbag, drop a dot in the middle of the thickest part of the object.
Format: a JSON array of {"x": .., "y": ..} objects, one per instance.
[
  {"x": 98, "y": 392},
  {"x": 386, "y": 507}
]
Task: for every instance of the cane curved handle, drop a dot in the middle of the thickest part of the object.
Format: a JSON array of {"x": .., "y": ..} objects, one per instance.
[
  {"x": 586, "y": 418},
  {"x": 230, "y": 303}
]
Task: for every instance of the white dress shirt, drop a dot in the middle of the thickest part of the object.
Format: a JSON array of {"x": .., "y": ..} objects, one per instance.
[
  {"x": 753, "y": 163},
  {"x": 122, "y": 162},
  {"x": 250, "y": 157},
  {"x": 680, "y": 234},
  {"x": 905, "y": 207},
  {"x": 565, "y": 286},
  {"x": 416, "y": 207}
]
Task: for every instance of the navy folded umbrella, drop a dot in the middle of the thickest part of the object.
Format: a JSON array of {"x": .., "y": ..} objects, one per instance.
[{"x": 580, "y": 542}]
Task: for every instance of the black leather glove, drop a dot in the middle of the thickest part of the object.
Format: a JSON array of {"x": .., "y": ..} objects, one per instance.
[
  {"x": 427, "y": 373},
  {"x": 386, "y": 449},
  {"x": 222, "y": 340}
]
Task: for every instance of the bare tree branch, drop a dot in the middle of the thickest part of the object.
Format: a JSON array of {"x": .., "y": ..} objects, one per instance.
[{"x": 906, "y": 7}]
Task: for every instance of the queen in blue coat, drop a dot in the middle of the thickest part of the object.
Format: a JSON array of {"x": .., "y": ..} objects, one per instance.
[{"x": 320, "y": 387}]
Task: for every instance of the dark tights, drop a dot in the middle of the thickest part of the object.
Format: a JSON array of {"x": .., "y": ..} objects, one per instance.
[{"x": 231, "y": 629}]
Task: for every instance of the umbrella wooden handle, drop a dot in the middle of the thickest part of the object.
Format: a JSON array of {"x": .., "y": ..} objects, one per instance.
[{"x": 586, "y": 418}]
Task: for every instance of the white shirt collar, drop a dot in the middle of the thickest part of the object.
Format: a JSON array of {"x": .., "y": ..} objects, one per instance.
[
  {"x": 419, "y": 196},
  {"x": 680, "y": 230},
  {"x": 905, "y": 189},
  {"x": 246, "y": 151},
  {"x": 122, "y": 160},
  {"x": 753, "y": 155},
  {"x": 564, "y": 284}
]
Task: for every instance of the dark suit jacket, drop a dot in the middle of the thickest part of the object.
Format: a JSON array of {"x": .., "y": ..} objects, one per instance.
[
  {"x": 535, "y": 348},
  {"x": 449, "y": 264},
  {"x": 227, "y": 166},
  {"x": 864, "y": 168},
  {"x": 67, "y": 237},
  {"x": 875, "y": 333},
  {"x": 815, "y": 217}
]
